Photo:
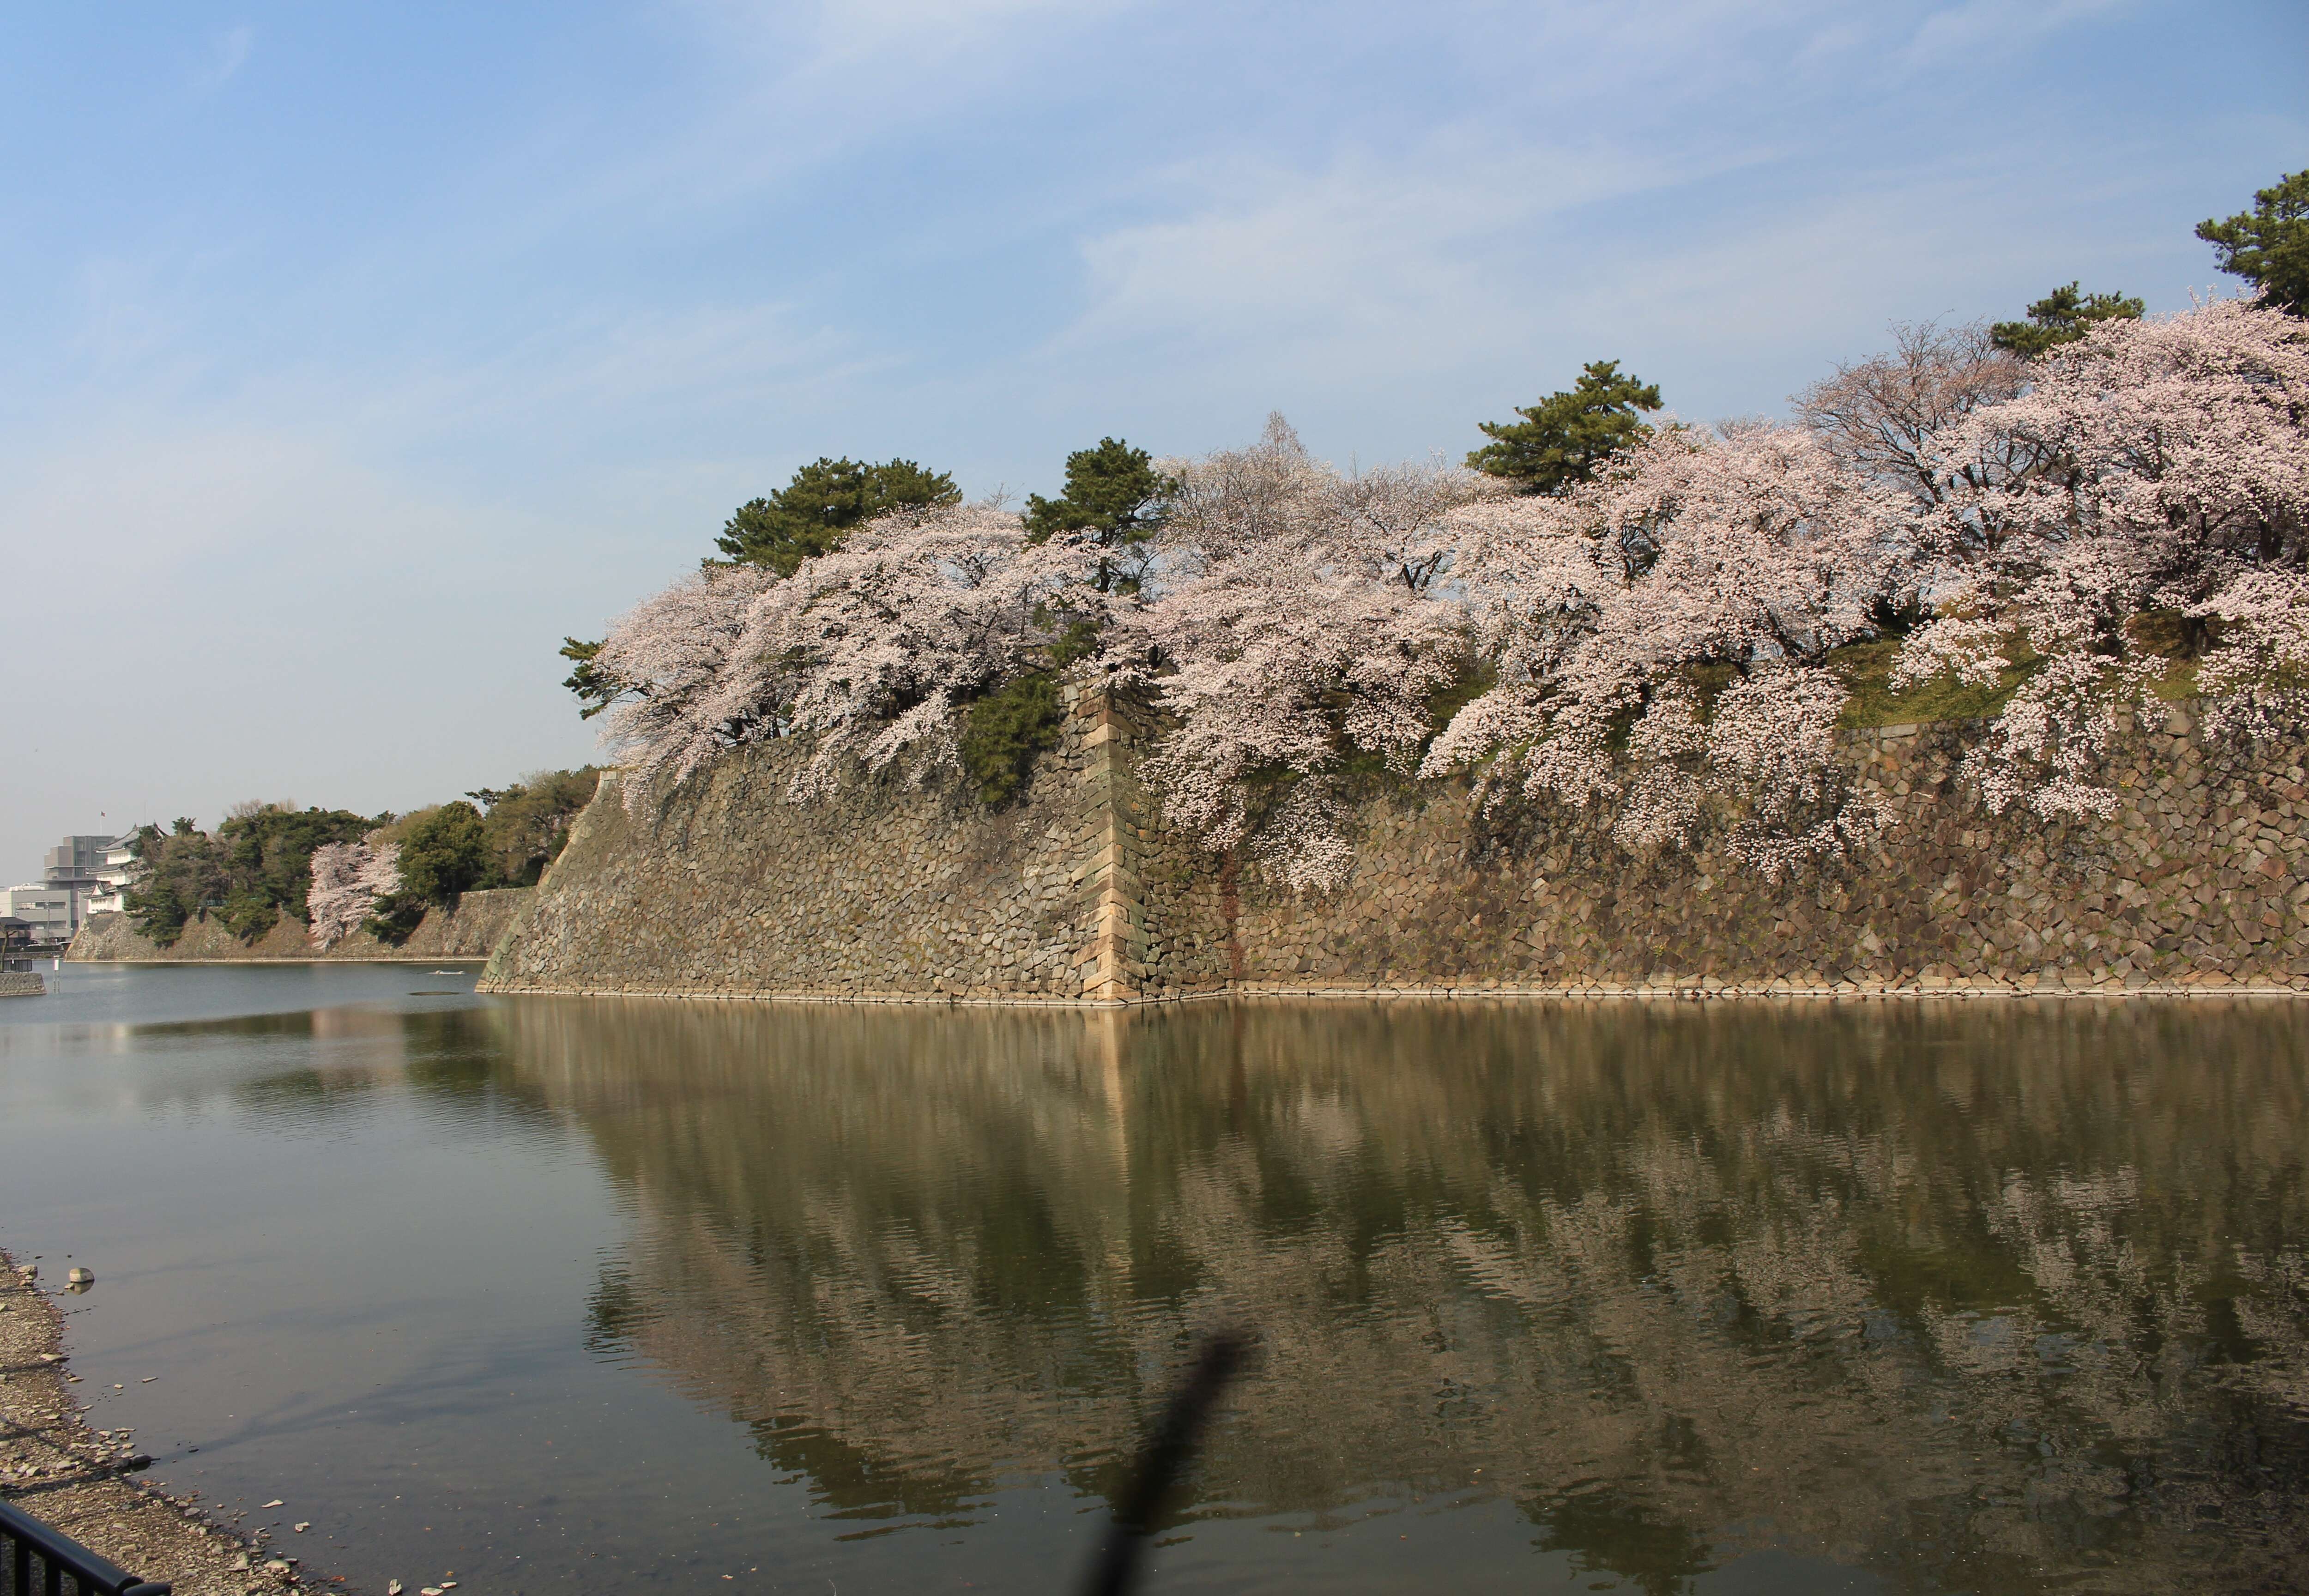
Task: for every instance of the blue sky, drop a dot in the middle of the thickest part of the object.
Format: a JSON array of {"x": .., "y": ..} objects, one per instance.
[{"x": 353, "y": 355}]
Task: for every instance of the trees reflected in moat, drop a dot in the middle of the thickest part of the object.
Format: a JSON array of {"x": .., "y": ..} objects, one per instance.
[
  {"x": 323, "y": 1064},
  {"x": 1985, "y": 1296}
]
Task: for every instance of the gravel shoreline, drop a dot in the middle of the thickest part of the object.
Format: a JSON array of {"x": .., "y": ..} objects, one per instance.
[{"x": 82, "y": 1481}]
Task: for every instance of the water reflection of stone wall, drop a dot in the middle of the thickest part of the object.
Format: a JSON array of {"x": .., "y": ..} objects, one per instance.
[
  {"x": 1998, "y": 1298},
  {"x": 1081, "y": 891}
]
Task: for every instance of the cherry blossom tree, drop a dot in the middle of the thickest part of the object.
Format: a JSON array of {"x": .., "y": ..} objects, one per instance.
[
  {"x": 348, "y": 880},
  {"x": 872, "y": 651},
  {"x": 1656, "y": 640},
  {"x": 683, "y": 691},
  {"x": 1660, "y": 636},
  {"x": 2257, "y": 681},
  {"x": 2165, "y": 520},
  {"x": 1298, "y": 630}
]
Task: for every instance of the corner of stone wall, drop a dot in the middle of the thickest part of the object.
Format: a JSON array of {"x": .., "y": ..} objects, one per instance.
[
  {"x": 1113, "y": 961},
  {"x": 606, "y": 806}
]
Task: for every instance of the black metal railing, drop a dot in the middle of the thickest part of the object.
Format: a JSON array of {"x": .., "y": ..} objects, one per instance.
[{"x": 31, "y": 1551}]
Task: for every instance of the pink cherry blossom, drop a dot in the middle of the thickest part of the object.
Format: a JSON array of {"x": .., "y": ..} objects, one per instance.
[
  {"x": 1297, "y": 618},
  {"x": 348, "y": 879},
  {"x": 678, "y": 653},
  {"x": 872, "y": 651},
  {"x": 1657, "y": 640},
  {"x": 2172, "y": 475},
  {"x": 1750, "y": 555}
]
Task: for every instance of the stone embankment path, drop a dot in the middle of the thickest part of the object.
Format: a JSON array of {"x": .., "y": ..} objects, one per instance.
[{"x": 78, "y": 1479}]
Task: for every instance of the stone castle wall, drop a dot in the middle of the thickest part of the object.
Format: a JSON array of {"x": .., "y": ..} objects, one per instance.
[
  {"x": 2200, "y": 878},
  {"x": 467, "y": 930},
  {"x": 885, "y": 891},
  {"x": 1080, "y": 892}
]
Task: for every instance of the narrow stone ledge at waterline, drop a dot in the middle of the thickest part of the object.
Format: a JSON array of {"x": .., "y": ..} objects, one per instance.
[{"x": 1078, "y": 892}]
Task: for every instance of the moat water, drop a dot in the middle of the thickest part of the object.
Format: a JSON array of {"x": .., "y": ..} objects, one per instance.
[{"x": 548, "y": 1295}]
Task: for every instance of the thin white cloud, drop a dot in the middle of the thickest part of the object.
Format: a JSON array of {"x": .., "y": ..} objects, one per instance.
[
  {"x": 784, "y": 90},
  {"x": 226, "y": 54},
  {"x": 1416, "y": 257},
  {"x": 1974, "y": 25},
  {"x": 600, "y": 366}
]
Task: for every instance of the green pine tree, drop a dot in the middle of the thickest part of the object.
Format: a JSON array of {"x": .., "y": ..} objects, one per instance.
[
  {"x": 2061, "y": 316},
  {"x": 1114, "y": 493},
  {"x": 595, "y": 688},
  {"x": 1562, "y": 438},
  {"x": 443, "y": 854},
  {"x": 2269, "y": 245},
  {"x": 827, "y": 499}
]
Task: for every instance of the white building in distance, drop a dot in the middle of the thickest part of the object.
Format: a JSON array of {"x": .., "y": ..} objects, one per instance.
[
  {"x": 77, "y": 876},
  {"x": 47, "y": 910}
]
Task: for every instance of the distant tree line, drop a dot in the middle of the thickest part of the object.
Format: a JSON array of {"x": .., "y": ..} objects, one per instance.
[{"x": 259, "y": 864}]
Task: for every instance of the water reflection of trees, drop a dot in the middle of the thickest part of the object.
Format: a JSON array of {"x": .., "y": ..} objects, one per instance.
[
  {"x": 323, "y": 1064},
  {"x": 1990, "y": 1294}
]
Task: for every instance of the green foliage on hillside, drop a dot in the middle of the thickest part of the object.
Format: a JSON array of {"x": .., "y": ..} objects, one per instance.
[
  {"x": 254, "y": 869},
  {"x": 1562, "y": 438},
  {"x": 1866, "y": 669},
  {"x": 443, "y": 852},
  {"x": 455, "y": 848},
  {"x": 2061, "y": 316},
  {"x": 2269, "y": 245},
  {"x": 525, "y": 825}
]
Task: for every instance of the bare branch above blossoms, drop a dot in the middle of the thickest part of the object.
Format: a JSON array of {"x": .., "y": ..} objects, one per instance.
[{"x": 1891, "y": 419}]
